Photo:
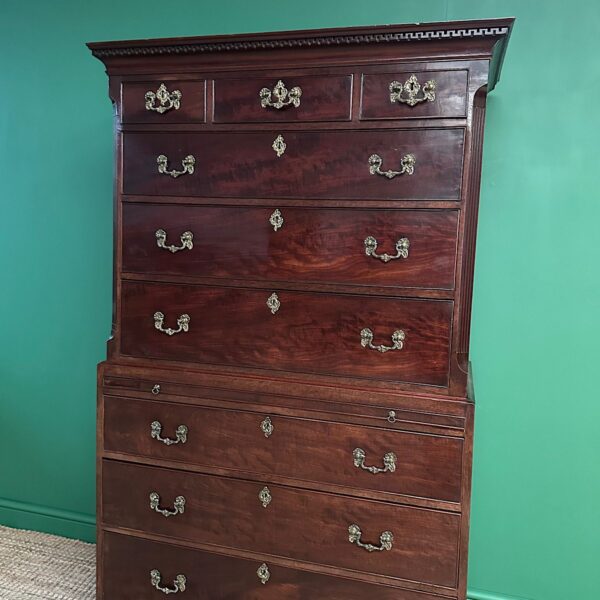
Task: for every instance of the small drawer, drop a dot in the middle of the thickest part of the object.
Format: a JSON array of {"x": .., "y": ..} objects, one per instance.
[
  {"x": 414, "y": 94},
  {"x": 336, "y": 334},
  {"x": 284, "y": 98},
  {"x": 133, "y": 568},
  {"x": 329, "y": 452},
  {"x": 391, "y": 248},
  {"x": 411, "y": 164},
  {"x": 169, "y": 101},
  {"x": 339, "y": 531}
]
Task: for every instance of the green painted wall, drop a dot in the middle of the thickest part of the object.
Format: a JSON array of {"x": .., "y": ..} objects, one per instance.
[{"x": 536, "y": 522}]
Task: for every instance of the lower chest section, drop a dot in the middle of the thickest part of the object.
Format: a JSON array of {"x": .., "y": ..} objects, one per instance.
[{"x": 227, "y": 493}]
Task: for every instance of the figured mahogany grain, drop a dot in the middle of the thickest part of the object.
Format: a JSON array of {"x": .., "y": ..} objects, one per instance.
[
  {"x": 316, "y": 164},
  {"x": 297, "y": 524},
  {"x": 192, "y": 107},
  {"x": 450, "y": 95},
  {"x": 324, "y": 98},
  {"x": 304, "y": 449},
  {"x": 312, "y": 245},
  {"x": 128, "y": 561},
  {"x": 311, "y": 332}
]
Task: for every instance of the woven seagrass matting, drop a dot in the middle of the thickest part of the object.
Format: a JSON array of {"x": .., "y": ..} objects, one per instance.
[{"x": 37, "y": 565}]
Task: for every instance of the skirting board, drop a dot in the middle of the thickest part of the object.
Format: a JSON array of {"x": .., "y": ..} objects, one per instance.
[
  {"x": 479, "y": 595},
  {"x": 23, "y": 515}
]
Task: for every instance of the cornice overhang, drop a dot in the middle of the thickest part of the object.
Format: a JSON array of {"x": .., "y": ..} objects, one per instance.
[{"x": 495, "y": 30}]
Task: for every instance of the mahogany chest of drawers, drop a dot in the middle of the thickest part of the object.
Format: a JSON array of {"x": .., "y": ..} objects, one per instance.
[{"x": 286, "y": 410}]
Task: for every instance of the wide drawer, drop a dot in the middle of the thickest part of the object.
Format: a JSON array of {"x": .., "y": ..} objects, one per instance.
[
  {"x": 129, "y": 561},
  {"x": 395, "y": 248},
  {"x": 336, "y": 334},
  {"x": 288, "y": 97},
  {"x": 419, "y": 544},
  {"x": 310, "y": 450},
  {"x": 414, "y": 94},
  {"x": 170, "y": 101},
  {"x": 314, "y": 164}
]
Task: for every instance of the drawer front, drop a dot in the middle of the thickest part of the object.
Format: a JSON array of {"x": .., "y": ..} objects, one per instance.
[
  {"x": 164, "y": 101},
  {"x": 283, "y": 521},
  {"x": 128, "y": 562},
  {"x": 294, "y": 244},
  {"x": 290, "y": 331},
  {"x": 411, "y": 464},
  {"x": 264, "y": 100},
  {"x": 314, "y": 164},
  {"x": 414, "y": 94}
]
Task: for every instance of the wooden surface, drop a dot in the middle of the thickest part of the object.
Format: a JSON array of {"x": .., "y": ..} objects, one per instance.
[
  {"x": 445, "y": 40},
  {"x": 221, "y": 577},
  {"x": 357, "y": 398},
  {"x": 312, "y": 245},
  {"x": 315, "y": 164},
  {"x": 314, "y": 333},
  {"x": 304, "y": 366},
  {"x": 324, "y": 98},
  {"x": 450, "y": 95},
  {"x": 192, "y": 110},
  {"x": 307, "y": 449},
  {"x": 297, "y": 524}
]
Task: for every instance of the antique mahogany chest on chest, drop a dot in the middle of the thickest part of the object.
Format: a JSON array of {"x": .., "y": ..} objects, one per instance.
[{"x": 285, "y": 412}]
